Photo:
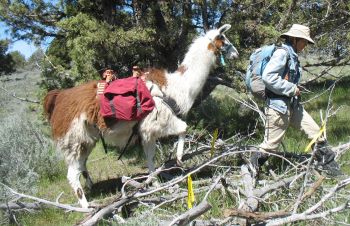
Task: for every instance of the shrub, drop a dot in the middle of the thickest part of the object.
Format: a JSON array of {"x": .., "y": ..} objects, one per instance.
[{"x": 25, "y": 155}]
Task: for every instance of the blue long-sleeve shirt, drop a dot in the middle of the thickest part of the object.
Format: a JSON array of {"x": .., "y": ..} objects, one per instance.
[{"x": 276, "y": 80}]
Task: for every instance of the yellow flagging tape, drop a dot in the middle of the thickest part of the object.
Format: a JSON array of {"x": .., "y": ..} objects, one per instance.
[
  {"x": 190, "y": 194},
  {"x": 323, "y": 128},
  {"x": 215, "y": 137}
]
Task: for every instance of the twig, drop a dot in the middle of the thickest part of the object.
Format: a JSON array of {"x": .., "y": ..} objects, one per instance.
[
  {"x": 215, "y": 183},
  {"x": 338, "y": 186},
  {"x": 313, "y": 188},
  {"x": 299, "y": 200}
]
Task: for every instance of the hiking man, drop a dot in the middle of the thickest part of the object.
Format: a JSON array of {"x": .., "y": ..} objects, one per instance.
[
  {"x": 281, "y": 77},
  {"x": 109, "y": 75},
  {"x": 137, "y": 72}
]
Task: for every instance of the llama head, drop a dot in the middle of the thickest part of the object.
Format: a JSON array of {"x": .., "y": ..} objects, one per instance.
[{"x": 219, "y": 42}]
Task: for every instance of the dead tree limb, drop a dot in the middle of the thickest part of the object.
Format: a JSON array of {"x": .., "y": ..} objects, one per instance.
[
  {"x": 251, "y": 203},
  {"x": 256, "y": 216},
  {"x": 191, "y": 214},
  {"x": 21, "y": 205},
  {"x": 20, "y": 98},
  {"x": 303, "y": 216},
  {"x": 341, "y": 149},
  {"x": 309, "y": 213},
  {"x": 313, "y": 188},
  {"x": 260, "y": 192},
  {"x": 94, "y": 219},
  {"x": 55, "y": 204}
]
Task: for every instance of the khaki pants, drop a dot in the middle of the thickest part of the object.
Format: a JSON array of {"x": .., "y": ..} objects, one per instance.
[{"x": 277, "y": 124}]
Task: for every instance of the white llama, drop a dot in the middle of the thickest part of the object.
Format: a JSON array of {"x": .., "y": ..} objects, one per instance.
[{"x": 76, "y": 122}]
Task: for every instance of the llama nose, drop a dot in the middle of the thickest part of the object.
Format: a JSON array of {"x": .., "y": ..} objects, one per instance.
[
  {"x": 231, "y": 52},
  {"x": 235, "y": 55}
]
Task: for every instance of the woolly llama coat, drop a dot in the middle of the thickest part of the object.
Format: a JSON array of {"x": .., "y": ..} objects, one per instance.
[{"x": 77, "y": 125}]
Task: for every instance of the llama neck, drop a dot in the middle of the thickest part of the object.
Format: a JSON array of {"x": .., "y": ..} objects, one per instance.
[{"x": 184, "y": 88}]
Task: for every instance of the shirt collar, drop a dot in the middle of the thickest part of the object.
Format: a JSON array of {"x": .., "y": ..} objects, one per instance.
[{"x": 290, "y": 49}]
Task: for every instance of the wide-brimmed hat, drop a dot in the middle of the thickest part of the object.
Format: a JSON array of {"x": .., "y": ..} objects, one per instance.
[{"x": 299, "y": 31}]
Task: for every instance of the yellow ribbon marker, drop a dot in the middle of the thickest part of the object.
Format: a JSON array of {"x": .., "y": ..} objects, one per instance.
[
  {"x": 323, "y": 128},
  {"x": 190, "y": 193},
  {"x": 215, "y": 137}
]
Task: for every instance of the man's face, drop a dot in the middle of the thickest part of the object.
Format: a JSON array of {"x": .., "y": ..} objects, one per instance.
[
  {"x": 136, "y": 73},
  {"x": 301, "y": 44}
]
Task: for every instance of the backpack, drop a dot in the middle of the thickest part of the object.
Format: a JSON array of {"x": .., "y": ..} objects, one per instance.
[
  {"x": 126, "y": 99},
  {"x": 257, "y": 64}
]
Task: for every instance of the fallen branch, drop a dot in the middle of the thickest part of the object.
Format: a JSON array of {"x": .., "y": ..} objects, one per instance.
[
  {"x": 256, "y": 216},
  {"x": 251, "y": 203},
  {"x": 309, "y": 213},
  {"x": 20, "y": 98},
  {"x": 94, "y": 219},
  {"x": 313, "y": 189},
  {"x": 303, "y": 216},
  {"x": 191, "y": 214},
  {"x": 55, "y": 204},
  {"x": 20, "y": 206}
]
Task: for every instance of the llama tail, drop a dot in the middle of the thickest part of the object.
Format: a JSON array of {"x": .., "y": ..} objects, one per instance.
[{"x": 49, "y": 102}]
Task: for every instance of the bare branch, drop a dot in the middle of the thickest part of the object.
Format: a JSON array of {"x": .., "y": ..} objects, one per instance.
[
  {"x": 58, "y": 205},
  {"x": 191, "y": 214},
  {"x": 20, "y": 98}
]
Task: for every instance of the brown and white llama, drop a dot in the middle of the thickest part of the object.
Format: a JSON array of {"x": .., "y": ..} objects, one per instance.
[{"x": 77, "y": 125}]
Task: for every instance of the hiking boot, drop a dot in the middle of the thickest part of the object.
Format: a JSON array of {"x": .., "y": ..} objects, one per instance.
[
  {"x": 325, "y": 160},
  {"x": 331, "y": 169},
  {"x": 323, "y": 153}
]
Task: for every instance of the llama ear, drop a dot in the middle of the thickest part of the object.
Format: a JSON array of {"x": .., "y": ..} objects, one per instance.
[{"x": 224, "y": 28}]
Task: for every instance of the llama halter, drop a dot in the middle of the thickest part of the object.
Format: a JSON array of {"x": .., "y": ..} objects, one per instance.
[{"x": 226, "y": 48}]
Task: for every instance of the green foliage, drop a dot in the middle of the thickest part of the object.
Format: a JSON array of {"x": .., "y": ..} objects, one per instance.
[
  {"x": 19, "y": 60},
  {"x": 36, "y": 58},
  {"x": 50, "y": 217},
  {"x": 91, "y": 36},
  {"x": 220, "y": 110},
  {"x": 95, "y": 45},
  {"x": 25, "y": 155},
  {"x": 6, "y": 62}
]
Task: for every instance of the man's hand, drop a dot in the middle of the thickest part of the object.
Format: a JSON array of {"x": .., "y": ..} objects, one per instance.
[{"x": 297, "y": 92}]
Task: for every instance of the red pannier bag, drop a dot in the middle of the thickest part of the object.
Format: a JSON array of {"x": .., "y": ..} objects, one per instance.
[{"x": 126, "y": 99}]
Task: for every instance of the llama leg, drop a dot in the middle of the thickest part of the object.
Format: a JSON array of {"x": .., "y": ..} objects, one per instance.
[
  {"x": 150, "y": 150},
  {"x": 73, "y": 175},
  {"x": 180, "y": 148},
  {"x": 87, "y": 177}
]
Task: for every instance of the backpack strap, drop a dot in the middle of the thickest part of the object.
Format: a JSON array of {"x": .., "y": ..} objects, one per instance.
[
  {"x": 138, "y": 102},
  {"x": 290, "y": 62}
]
